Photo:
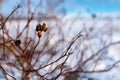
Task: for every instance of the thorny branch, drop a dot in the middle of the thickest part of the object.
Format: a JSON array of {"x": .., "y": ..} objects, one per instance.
[{"x": 21, "y": 57}]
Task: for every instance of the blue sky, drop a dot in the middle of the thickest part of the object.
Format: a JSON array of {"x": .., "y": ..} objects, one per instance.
[
  {"x": 93, "y": 5},
  {"x": 73, "y": 6}
]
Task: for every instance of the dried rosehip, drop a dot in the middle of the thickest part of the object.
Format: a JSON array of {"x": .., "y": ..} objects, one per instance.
[
  {"x": 41, "y": 28},
  {"x": 17, "y": 42},
  {"x": 45, "y": 29},
  {"x": 38, "y": 27},
  {"x": 44, "y": 25}
]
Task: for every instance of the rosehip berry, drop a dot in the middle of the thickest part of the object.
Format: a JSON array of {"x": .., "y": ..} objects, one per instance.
[{"x": 39, "y": 34}]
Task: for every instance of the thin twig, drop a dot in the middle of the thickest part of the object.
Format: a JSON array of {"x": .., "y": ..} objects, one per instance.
[{"x": 32, "y": 52}]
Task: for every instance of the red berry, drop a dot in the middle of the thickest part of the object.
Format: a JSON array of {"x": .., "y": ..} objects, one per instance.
[{"x": 39, "y": 34}]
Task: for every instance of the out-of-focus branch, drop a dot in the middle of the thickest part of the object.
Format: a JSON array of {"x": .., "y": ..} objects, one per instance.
[
  {"x": 4, "y": 22},
  {"x": 26, "y": 26},
  {"x": 98, "y": 52},
  {"x": 104, "y": 70},
  {"x": 4, "y": 72},
  {"x": 65, "y": 53}
]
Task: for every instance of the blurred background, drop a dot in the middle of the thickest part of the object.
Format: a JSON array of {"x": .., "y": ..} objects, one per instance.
[{"x": 96, "y": 55}]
